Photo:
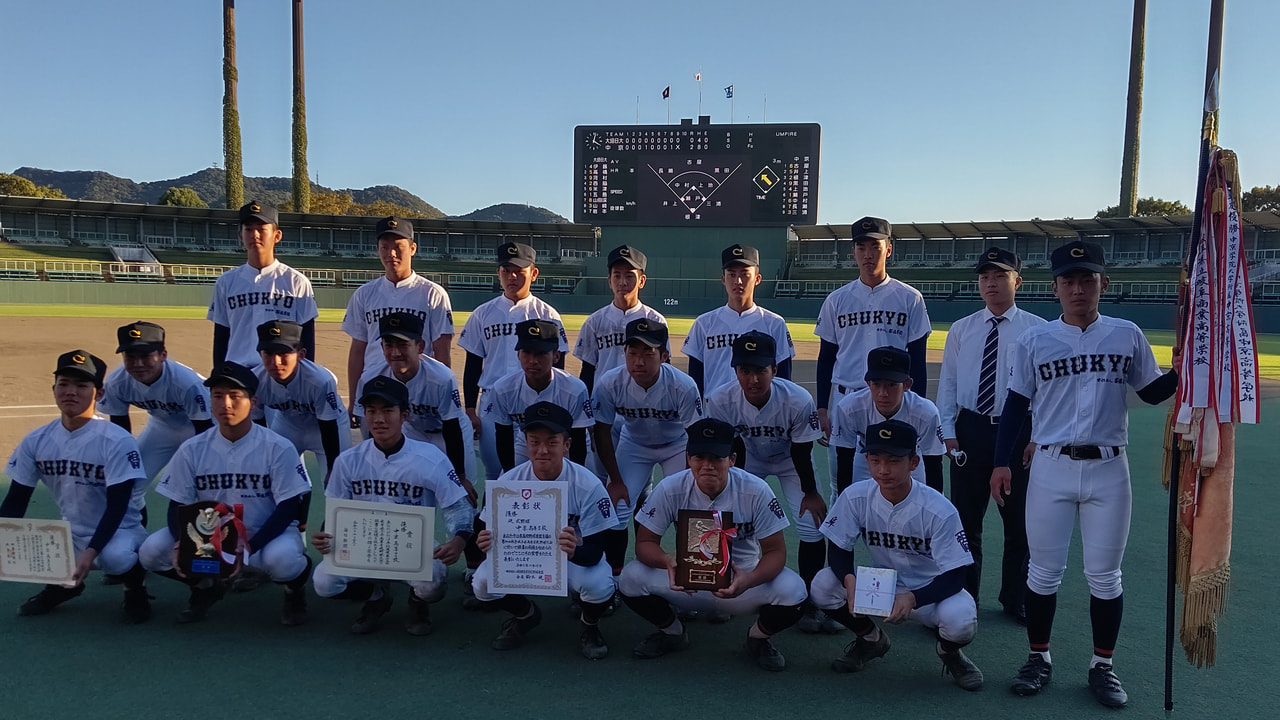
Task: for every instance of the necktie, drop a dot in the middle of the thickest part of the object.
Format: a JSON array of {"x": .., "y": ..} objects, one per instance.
[{"x": 987, "y": 377}]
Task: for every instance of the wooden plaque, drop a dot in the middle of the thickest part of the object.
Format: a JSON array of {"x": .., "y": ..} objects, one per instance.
[{"x": 700, "y": 550}]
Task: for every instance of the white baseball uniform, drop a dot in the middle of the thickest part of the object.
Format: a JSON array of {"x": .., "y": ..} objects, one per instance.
[
  {"x": 506, "y": 401},
  {"x": 857, "y": 411},
  {"x": 757, "y": 514},
  {"x": 920, "y": 538},
  {"x": 602, "y": 341},
  {"x": 789, "y": 416},
  {"x": 417, "y": 474},
  {"x": 259, "y": 471},
  {"x": 590, "y": 512},
  {"x": 172, "y": 402},
  {"x": 415, "y": 295},
  {"x": 650, "y": 425},
  {"x": 294, "y": 410},
  {"x": 245, "y": 297},
  {"x": 710, "y": 340},
  {"x": 1078, "y": 384},
  {"x": 78, "y": 467}
]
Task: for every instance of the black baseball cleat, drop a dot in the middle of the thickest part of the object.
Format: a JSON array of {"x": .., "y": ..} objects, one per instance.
[
  {"x": 1106, "y": 687},
  {"x": 136, "y": 605},
  {"x": 592, "y": 643},
  {"x": 50, "y": 597},
  {"x": 514, "y": 629},
  {"x": 418, "y": 622},
  {"x": 1033, "y": 676},
  {"x": 294, "y": 610},
  {"x": 765, "y": 654},
  {"x": 371, "y": 613},
  {"x": 966, "y": 674},
  {"x": 859, "y": 652},
  {"x": 660, "y": 643},
  {"x": 200, "y": 601}
]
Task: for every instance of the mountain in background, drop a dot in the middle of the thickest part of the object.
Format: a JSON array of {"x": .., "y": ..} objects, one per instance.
[{"x": 512, "y": 212}]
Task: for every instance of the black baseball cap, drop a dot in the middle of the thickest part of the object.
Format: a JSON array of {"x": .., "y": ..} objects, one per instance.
[
  {"x": 517, "y": 254},
  {"x": 390, "y": 390},
  {"x": 888, "y": 364},
  {"x": 629, "y": 255},
  {"x": 892, "y": 437},
  {"x": 710, "y": 436},
  {"x": 547, "y": 415},
  {"x": 82, "y": 364},
  {"x": 279, "y": 336},
  {"x": 739, "y": 255},
  {"x": 1078, "y": 255},
  {"x": 647, "y": 331},
  {"x": 400, "y": 325},
  {"x": 141, "y": 337},
  {"x": 871, "y": 228},
  {"x": 259, "y": 212},
  {"x": 231, "y": 374},
  {"x": 537, "y": 336},
  {"x": 394, "y": 226},
  {"x": 1001, "y": 259},
  {"x": 754, "y": 348}
]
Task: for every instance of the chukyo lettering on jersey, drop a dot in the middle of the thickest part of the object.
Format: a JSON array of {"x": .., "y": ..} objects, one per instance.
[
  {"x": 72, "y": 469},
  {"x": 233, "y": 481},
  {"x": 499, "y": 330},
  {"x": 371, "y": 317},
  {"x": 386, "y": 488},
  {"x": 768, "y": 431},
  {"x": 293, "y": 406},
  {"x": 872, "y": 317},
  {"x": 274, "y": 298},
  {"x": 723, "y": 340},
  {"x": 610, "y": 340},
  {"x": 645, "y": 413},
  {"x": 893, "y": 541},
  {"x": 1105, "y": 363},
  {"x": 162, "y": 406}
]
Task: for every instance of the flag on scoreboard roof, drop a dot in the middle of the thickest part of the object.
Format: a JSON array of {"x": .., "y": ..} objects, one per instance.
[
  {"x": 666, "y": 93},
  {"x": 728, "y": 92},
  {"x": 698, "y": 77}
]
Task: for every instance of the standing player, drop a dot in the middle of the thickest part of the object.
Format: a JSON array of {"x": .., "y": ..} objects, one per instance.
[
  {"x": 776, "y": 424},
  {"x": 648, "y": 403},
  {"x": 1072, "y": 374},
  {"x": 602, "y": 339},
  {"x": 260, "y": 290},
  {"x": 401, "y": 290},
  {"x": 546, "y": 428},
  {"x": 172, "y": 394},
  {"x": 709, "y": 344},
  {"x": 873, "y": 311},
  {"x": 969, "y": 404},
  {"x": 761, "y": 580},
  {"x": 913, "y": 530},
  {"x": 885, "y": 397},
  {"x": 96, "y": 475},
  {"x": 391, "y": 468},
  {"x": 489, "y": 337},
  {"x": 238, "y": 463}
]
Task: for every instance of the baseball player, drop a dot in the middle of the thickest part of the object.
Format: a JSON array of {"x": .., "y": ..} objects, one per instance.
[
  {"x": 913, "y": 530},
  {"x": 172, "y": 394},
  {"x": 238, "y": 463},
  {"x": 260, "y": 290},
  {"x": 392, "y": 468},
  {"x": 96, "y": 475},
  {"x": 873, "y": 311},
  {"x": 602, "y": 340},
  {"x": 1072, "y": 374},
  {"x": 400, "y": 290},
  {"x": 648, "y": 403},
  {"x": 489, "y": 337},
  {"x": 969, "y": 404},
  {"x": 885, "y": 397},
  {"x": 709, "y": 344},
  {"x": 775, "y": 424},
  {"x": 761, "y": 580},
  {"x": 546, "y": 427},
  {"x": 538, "y": 379}
]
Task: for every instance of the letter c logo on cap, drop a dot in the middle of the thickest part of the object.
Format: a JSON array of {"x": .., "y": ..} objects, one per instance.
[
  {"x": 750, "y": 346},
  {"x": 513, "y": 250},
  {"x": 709, "y": 433},
  {"x": 1077, "y": 252},
  {"x": 392, "y": 224},
  {"x": 135, "y": 333},
  {"x": 737, "y": 251},
  {"x": 993, "y": 255},
  {"x": 535, "y": 330},
  {"x": 886, "y": 433},
  {"x": 642, "y": 326},
  {"x": 77, "y": 359}
]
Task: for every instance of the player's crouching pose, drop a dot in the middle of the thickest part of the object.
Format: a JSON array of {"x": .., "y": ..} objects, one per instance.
[
  {"x": 761, "y": 580},
  {"x": 95, "y": 473},
  {"x": 238, "y": 463},
  {"x": 914, "y": 530},
  {"x": 391, "y": 468}
]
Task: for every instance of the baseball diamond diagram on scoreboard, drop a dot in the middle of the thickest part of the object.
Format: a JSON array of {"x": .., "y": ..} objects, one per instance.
[{"x": 696, "y": 175}]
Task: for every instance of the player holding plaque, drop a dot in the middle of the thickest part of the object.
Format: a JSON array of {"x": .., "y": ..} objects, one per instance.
[
  {"x": 94, "y": 470},
  {"x": 391, "y": 468},
  {"x": 546, "y": 430},
  {"x": 912, "y": 529},
  {"x": 758, "y": 555}
]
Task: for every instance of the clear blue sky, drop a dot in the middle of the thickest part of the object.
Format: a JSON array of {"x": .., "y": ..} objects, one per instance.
[{"x": 930, "y": 110}]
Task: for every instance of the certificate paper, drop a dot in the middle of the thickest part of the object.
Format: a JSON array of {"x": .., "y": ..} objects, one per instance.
[
  {"x": 525, "y": 519},
  {"x": 875, "y": 591},
  {"x": 36, "y": 551},
  {"x": 380, "y": 540}
]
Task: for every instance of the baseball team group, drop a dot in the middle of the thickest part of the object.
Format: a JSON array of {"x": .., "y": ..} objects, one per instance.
[{"x": 1029, "y": 412}]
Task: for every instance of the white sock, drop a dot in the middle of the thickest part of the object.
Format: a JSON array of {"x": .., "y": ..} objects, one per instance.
[
  {"x": 674, "y": 628},
  {"x": 1044, "y": 656},
  {"x": 756, "y": 632},
  {"x": 1099, "y": 660},
  {"x": 873, "y": 636}
]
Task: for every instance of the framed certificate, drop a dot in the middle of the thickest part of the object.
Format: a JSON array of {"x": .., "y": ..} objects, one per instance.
[
  {"x": 36, "y": 551},
  {"x": 525, "y": 519},
  {"x": 380, "y": 540},
  {"x": 703, "y": 549},
  {"x": 875, "y": 591}
]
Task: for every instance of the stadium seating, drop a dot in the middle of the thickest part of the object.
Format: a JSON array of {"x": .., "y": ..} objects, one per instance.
[
  {"x": 484, "y": 283},
  {"x": 73, "y": 271},
  {"x": 563, "y": 285},
  {"x": 320, "y": 278},
  {"x": 196, "y": 274},
  {"x": 136, "y": 273},
  {"x": 18, "y": 270}
]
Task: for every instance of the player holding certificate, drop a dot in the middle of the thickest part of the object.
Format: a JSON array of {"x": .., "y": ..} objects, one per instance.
[{"x": 391, "y": 468}]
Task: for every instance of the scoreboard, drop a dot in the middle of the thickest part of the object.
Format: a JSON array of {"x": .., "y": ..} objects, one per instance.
[{"x": 696, "y": 175}]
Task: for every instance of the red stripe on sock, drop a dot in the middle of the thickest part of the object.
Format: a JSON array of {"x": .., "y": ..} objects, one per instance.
[
  {"x": 1040, "y": 648},
  {"x": 1103, "y": 653}
]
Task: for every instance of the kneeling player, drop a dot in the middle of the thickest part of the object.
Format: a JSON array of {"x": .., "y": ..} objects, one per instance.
[
  {"x": 761, "y": 580},
  {"x": 914, "y": 530},
  {"x": 391, "y": 468},
  {"x": 238, "y": 463},
  {"x": 546, "y": 431},
  {"x": 98, "y": 482}
]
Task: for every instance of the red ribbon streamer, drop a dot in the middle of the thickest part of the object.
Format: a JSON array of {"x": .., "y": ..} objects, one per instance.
[{"x": 725, "y": 536}]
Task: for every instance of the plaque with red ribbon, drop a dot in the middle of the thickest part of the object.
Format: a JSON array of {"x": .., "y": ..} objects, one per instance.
[
  {"x": 212, "y": 541},
  {"x": 704, "y": 540}
]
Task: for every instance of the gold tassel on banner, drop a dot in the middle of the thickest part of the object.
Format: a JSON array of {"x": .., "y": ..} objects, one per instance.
[{"x": 1209, "y": 569}]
